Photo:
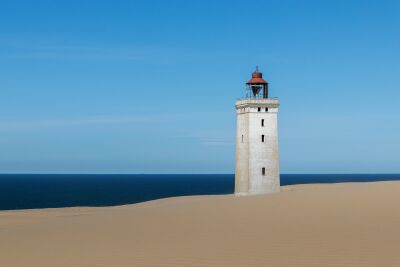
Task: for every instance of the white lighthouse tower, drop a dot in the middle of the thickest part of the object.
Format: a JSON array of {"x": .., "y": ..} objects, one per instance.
[{"x": 257, "y": 158}]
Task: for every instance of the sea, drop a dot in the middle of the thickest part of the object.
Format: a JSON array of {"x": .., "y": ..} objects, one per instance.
[{"x": 34, "y": 191}]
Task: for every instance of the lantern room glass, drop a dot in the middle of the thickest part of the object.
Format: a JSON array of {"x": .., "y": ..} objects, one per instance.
[{"x": 255, "y": 91}]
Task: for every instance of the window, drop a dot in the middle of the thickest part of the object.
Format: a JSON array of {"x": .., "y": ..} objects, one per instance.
[
  {"x": 266, "y": 109},
  {"x": 242, "y": 138},
  {"x": 263, "y": 171},
  {"x": 262, "y": 122},
  {"x": 259, "y": 109},
  {"x": 262, "y": 138}
]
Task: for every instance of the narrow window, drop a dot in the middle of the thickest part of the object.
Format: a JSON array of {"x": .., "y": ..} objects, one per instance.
[
  {"x": 262, "y": 122},
  {"x": 242, "y": 138},
  {"x": 266, "y": 109},
  {"x": 259, "y": 109},
  {"x": 262, "y": 138},
  {"x": 263, "y": 171}
]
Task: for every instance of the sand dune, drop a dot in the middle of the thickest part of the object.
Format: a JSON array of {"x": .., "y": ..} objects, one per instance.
[{"x": 309, "y": 225}]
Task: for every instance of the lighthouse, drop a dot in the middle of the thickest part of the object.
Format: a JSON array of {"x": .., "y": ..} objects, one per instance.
[{"x": 257, "y": 157}]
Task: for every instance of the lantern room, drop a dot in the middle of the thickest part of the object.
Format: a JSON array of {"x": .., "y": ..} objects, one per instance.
[{"x": 257, "y": 87}]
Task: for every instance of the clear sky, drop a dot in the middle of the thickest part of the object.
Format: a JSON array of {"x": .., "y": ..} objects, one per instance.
[{"x": 150, "y": 86}]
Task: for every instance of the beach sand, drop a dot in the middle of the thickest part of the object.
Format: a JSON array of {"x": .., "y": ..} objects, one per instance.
[{"x": 349, "y": 224}]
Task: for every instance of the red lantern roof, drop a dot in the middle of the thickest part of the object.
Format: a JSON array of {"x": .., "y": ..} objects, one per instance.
[{"x": 257, "y": 78}]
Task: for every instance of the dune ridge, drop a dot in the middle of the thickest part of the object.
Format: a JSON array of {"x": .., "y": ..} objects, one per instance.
[{"x": 349, "y": 224}]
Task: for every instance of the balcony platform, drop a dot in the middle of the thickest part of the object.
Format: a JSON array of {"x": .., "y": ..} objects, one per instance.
[{"x": 272, "y": 102}]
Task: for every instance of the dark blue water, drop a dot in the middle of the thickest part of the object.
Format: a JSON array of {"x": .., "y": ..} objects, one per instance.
[{"x": 28, "y": 191}]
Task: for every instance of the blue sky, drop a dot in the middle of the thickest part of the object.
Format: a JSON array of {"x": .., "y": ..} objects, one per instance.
[{"x": 150, "y": 86}]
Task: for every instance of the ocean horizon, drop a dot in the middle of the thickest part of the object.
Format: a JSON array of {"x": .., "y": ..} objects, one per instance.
[{"x": 36, "y": 191}]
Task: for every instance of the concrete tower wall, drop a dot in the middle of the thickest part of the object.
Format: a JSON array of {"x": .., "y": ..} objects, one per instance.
[
  {"x": 252, "y": 154},
  {"x": 242, "y": 152}
]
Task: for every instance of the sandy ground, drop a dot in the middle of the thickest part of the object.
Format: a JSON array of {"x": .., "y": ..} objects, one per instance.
[{"x": 309, "y": 225}]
